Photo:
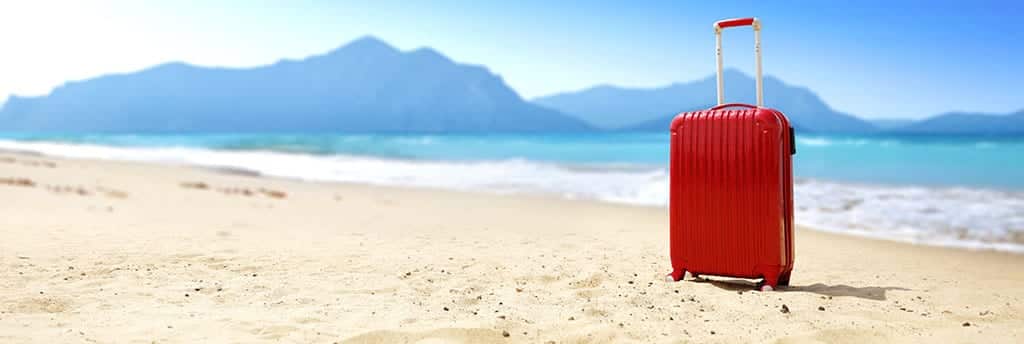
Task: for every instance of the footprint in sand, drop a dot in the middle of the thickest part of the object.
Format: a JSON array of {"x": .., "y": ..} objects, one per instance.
[
  {"x": 596, "y": 313},
  {"x": 272, "y": 193},
  {"x": 39, "y": 305},
  {"x": 589, "y": 293},
  {"x": 23, "y": 182},
  {"x": 276, "y": 194},
  {"x": 236, "y": 191},
  {"x": 593, "y": 281},
  {"x": 112, "y": 193},
  {"x": 40, "y": 163},
  {"x": 546, "y": 279},
  {"x": 30, "y": 163},
  {"x": 67, "y": 189},
  {"x": 195, "y": 185}
]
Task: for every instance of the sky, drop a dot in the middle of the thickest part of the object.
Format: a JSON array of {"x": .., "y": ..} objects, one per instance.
[{"x": 873, "y": 59}]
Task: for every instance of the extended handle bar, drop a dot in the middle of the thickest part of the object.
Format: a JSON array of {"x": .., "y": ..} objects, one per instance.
[{"x": 737, "y": 22}]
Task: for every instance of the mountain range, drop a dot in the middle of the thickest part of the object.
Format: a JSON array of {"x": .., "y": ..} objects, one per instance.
[
  {"x": 612, "y": 107},
  {"x": 369, "y": 86},
  {"x": 364, "y": 86},
  {"x": 961, "y": 123},
  {"x": 891, "y": 123}
]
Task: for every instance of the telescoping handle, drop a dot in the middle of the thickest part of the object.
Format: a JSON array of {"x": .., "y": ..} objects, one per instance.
[{"x": 737, "y": 22}]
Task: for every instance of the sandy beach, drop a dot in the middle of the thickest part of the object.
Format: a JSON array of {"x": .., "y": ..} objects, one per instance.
[{"x": 100, "y": 251}]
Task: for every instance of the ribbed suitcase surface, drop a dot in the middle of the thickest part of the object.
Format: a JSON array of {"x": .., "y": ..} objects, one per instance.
[{"x": 731, "y": 194}]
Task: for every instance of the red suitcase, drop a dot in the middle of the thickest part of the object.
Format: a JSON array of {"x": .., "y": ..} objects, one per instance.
[{"x": 731, "y": 197}]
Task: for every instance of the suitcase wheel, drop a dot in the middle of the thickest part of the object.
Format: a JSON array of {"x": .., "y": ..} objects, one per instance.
[
  {"x": 770, "y": 282},
  {"x": 676, "y": 275}
]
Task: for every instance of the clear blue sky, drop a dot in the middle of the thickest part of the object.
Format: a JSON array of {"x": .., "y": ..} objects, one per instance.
[{"x": 870, "y": 58}]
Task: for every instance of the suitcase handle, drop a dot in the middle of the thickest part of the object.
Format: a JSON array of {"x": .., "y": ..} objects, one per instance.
[
  {"x": 727, "y": 23},
  {"x": 733, "y": 105},
  {"x": 737, "y": 22}
]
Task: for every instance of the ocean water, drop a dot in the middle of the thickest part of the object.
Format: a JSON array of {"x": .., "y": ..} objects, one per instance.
[{"x": 951, "y": 191}]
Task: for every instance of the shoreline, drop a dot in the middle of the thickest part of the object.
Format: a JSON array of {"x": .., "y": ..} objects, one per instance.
[
  {"x": 817, "y": 223},
  {"x": 127, "y": 251}
]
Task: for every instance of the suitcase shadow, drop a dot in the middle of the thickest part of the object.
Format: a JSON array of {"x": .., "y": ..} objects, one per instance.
[
  {"x": 840, "y": 290},
  {"x": 731, "y": 284},
  {"x": 837, "y": 290}
]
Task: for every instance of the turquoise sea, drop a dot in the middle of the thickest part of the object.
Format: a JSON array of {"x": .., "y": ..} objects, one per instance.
[
  {"x": 991, "y": 162},
  {"x": 959, "y": 191}
]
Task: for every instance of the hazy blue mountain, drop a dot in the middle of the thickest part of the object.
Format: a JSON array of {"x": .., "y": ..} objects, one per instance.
[
  {"x": 891, "y": 123},
  {"x": 364, "y": 86},
  {"x": 653, "y": 109},
  {"x": 959, "y": 123}
]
